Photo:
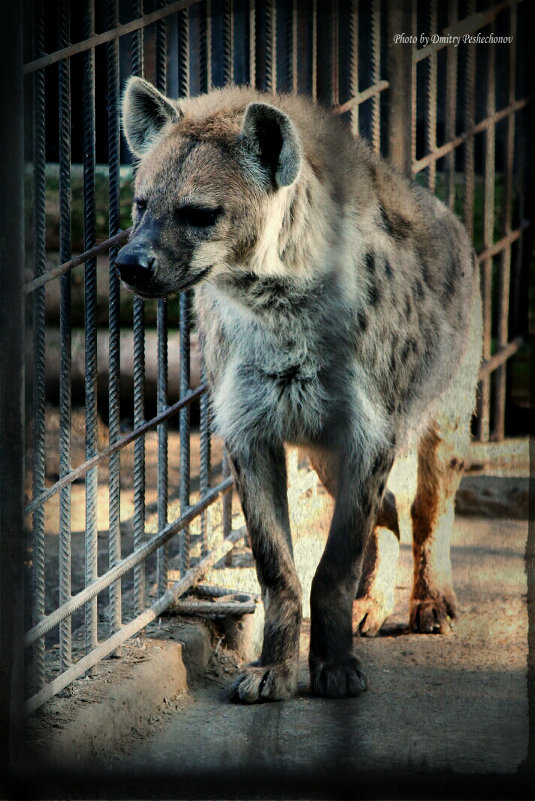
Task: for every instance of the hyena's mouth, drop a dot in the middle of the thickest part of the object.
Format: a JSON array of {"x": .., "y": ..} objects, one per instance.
[{"x": 148, "y": 292}]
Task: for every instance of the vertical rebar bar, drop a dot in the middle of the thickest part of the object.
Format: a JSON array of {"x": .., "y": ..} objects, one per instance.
[
  {"x": 354, "y": 63},
  {"x": 183, "y": 53},
  {"x": 314, "y": 45},
  {"x": 139, "y": 373},
  {"x": 252, "y": 43},
  {"x": 205, "y": 460},
  {"x": 451, "y": 109},
  {"x": 292, "y": 49},
  {"x": 505, "y": 260},
  {"x": 90, "y": 296},
  {"x": 64, "y": 75},
  {"x": 375, "y": 36},
  {"x": 335, "y": 78},
  {"x": 184, "y": 427},
  {"x": 271, "y": 46},
  {"x": 469, "y": 119},
  {"x": 39, "y": 229},
  {"x": 206, "y": 47},
  {"x": 162, "y": 326},
  {"x": 488, "y": 239},
  {"x": 414, "y": 83},
  {"x": 228, "y": 43},
  {"x": 431, "y": 115},
  {"x": 114, "y": 392}
]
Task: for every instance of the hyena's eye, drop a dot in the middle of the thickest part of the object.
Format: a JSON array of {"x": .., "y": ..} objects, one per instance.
[
  {"x": 199, "y": 216},
  {"x": 141, "y": 204}
]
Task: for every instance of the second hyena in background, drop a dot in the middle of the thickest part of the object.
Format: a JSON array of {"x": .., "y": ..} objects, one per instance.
[{"x": 338, "y": 309}]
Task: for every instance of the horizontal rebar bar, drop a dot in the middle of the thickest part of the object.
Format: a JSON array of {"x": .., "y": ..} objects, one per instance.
[
  {"x": 492, "y": 119},
  {"x": 107, "y": 36},
  {"x": 116, "y": 446},
  {"x": 502, "y": 243},
  {"x": 462, "y": 27},
  {"x": 501, "y": 356},
  {"x": 205, "y": 608},
  {"x": 142, "y": 620},
  {"x": 122, "y": 567},
  {"x": 361, "y": 97}
]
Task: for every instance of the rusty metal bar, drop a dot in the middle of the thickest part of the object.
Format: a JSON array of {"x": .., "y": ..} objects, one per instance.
[
  {"x": 375, "y": 36},
  {"x": 252, "y": 43},
  {"x": 488, "y": 241},
  {"x": 82, "y": 469},
  {"x": 125, "y": 565},
  {"x": 314, "y": 64},
  {"x": 450, "y": 111},
  {"x": 469, "y": 122},
  {"x": 431, "y": 98},
  {"x": 481, "y": 126},
  {"x": 335, "y": 79},
  {"x": 354, "y": 63},
  {"x": 102, "y": 247},
  {"x": 361, "y": 97},
  {"x": 502, "y": 333},
  {"x": 498, "y": 359},
  {"x": 271, "y": 46},
  {"x": 467, "y": 25},
  {"x": 39, "y": 343},
  {"x": 64, "y": 562},
  {"x": 114, "y": 33},
  {"x": 136, "y": 625},
  {"x": 402, "y": 102},
  {"x": 504, "y": 242}
]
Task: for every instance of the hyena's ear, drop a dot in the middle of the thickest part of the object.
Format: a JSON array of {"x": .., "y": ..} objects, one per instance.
[
  {"x": 273, "y": 139},
  {"x": 145, "y": 112}
]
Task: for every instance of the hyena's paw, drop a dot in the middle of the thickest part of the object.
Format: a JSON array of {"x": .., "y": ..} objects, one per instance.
[
  {"x": 257, "y": 683},
  {"x": 369, "y": 614},
  {"x": 434, "y": 615},
  {"x": 338, "y": 679}
]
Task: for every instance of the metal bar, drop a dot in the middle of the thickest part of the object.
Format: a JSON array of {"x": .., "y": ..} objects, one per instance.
[
  {"x": 205, "y": 459},
  {"x": 162, "y": 328},
  {"x": 361, "y": 97},
  {"x": 114, "y": 448},
  {"x": 13, "y": 760},
  {"x": 206, "y": 48},
  {"x": 227, "y": 499},
  {"x": 504, "y": 242},
  {"x": 481, "y": 126},
  {"x": 314, "y": 64},
  {"x": 498, "y": 359},
  {"x": 412, "y": 9},
  {"x": 185, "y": 299},
  {"x": 252, "y": 43},
  {"x": 469, "y": 120},
  {"x": 293, "y": 50},
  {"x": 354, "y": 64},
  {"x": 375, "y": 36},
  {"x": 450, "y": 110},
  {"x": 431, "y": 97},
  {"x": 90, "y": 302},
  {"x": 210, "y": 608},
  {"x": 335, "y": 82},
  {"x": 114, "y": 324},
  {"x": 102, "y": 247},
  {"x": 401, "y": 100},
  {"x": 101, "y": 38},
  {"x": 488, "y": 240},
  {"x": 136, "y": 625},
  {"x": 38, "y": 444},
  {"x": 139, "y": 372},
  {"x": 183, "y": 54},
  {"x": 505, "y": 261},
  {"x": 271, "y": 46},
  {"x": 64, "y": 76},
  {"x": 122, "y": 567},
  {"x": 228, "y": 43},
  {"x": 467, "y": 25}
]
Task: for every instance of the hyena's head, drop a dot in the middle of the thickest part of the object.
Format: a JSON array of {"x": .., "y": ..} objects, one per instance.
[{"x": 208, "y": 188}]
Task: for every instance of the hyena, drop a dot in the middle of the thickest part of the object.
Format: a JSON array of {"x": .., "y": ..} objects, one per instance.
[{"x": 338, "y": 310}]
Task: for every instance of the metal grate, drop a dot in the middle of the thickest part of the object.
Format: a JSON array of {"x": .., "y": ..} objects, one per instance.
[{"x": 344, "y": 56}]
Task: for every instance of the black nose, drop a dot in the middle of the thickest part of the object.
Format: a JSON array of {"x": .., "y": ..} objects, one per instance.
[{"x": 135, "y": 266}]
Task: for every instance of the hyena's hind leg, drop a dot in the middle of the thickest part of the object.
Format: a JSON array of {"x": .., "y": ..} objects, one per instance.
[{"x": 374, "y": 602}]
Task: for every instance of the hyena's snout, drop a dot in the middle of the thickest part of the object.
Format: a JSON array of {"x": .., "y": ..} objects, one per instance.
[{"x": 136, "y": 264}]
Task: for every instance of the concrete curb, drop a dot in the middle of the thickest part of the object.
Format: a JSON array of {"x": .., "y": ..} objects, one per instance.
[{"x": 94, "y": 722}]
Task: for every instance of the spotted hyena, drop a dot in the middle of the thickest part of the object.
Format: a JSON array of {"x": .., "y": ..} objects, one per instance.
[{"x": 338, "y": 309}]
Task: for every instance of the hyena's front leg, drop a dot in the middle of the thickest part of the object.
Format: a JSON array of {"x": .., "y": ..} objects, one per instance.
[
  {"x": 262, "y": 487},
  {"x": 334, "y": 669}
]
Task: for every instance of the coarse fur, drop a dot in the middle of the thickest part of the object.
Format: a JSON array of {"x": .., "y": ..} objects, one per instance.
[{"x": 338, "y": 309}]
